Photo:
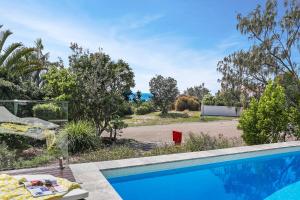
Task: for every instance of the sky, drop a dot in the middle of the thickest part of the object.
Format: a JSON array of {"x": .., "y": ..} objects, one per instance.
[{"x": 183, "y": 39}]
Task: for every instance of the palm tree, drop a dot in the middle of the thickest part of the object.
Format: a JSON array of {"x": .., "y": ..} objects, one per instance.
[
  {"x": 44, "y": 62},
  {"x": 13, "y": 61}
]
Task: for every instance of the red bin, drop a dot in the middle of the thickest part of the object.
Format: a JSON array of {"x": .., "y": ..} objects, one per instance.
[{"x": 177, "y": 137}]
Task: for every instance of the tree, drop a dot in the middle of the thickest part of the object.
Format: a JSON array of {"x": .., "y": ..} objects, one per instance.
[
  {"x": 274, "y": 50},
  {"x": 164, "y": 91},
  {"x": 208, "y": 99},
  {"x": 137, "y": 98},
  {"x": 59, "y": 83},
  {"x": 13, "y": 62},
  {"x": 115, "y": 126},
  {"x": 185, "y": 102},
  {"x": 44, "y": 61},
  {"x": 197, "y": 91},
  {"x": 101, "y": 84},
  {"x": 16, "y": 67},
  {"x": 266, "y": 120}
]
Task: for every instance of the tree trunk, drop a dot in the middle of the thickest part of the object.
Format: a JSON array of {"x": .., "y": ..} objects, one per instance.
[
  {"x": 98, "y": 129},
  {"x": 111, "y": 134},
  {"x": 115, "y": 135},
  {"x": 164, "y": 111}
]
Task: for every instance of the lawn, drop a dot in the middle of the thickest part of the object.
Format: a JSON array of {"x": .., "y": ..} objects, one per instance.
[{"x": 173, "y": 117}]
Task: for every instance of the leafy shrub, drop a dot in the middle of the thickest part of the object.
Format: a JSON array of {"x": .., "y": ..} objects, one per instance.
[
  {"x": 108, "y": 153},
  {"x": 205, "y": 142},
  {"x": 166, "y": 149},
  {"x": 9, "y": 90},
  {"x": 200, "y": 142},
  {"x": 266, "y": 120},
  {"x": 80, "y": 136},
  {"x": 145, "y": 108},
  {"x": 47, "y": 111},
  {"x": 125, "y": 109},
  {"x": 187, "y": 103},
  {"x": 19, "y": 141},
  {"x": 7, "y": 157},
  {"x": 209, "y": 100},
  {"x": 34, "y": 162}
]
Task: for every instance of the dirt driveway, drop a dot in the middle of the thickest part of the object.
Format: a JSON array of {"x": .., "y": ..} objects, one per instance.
[{"x": 162, "y": 133}]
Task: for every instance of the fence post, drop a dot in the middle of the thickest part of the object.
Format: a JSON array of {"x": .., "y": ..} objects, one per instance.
[{"x": 15, "y": 107}]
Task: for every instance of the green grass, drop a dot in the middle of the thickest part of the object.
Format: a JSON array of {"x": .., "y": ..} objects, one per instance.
[{"x": 173, "y": 117}]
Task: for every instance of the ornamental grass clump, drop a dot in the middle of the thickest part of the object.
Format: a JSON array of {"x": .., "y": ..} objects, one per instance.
[{"x": 80, "y": 136}]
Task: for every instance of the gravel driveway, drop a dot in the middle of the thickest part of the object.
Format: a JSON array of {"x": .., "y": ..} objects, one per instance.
[{"x": 163, "y": 133}]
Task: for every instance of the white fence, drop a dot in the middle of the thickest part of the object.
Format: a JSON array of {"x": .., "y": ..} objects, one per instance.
[{"x": 207, "y": 110}]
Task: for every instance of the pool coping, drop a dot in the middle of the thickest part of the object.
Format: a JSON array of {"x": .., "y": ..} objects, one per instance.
[{"x": 93, "y": 180}]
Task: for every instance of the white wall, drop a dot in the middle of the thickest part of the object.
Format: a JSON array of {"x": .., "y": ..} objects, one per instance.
[{"x": 220, "y": 111}]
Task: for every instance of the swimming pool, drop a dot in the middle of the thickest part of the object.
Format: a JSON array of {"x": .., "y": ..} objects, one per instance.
[{"x": 269, "y": 177}]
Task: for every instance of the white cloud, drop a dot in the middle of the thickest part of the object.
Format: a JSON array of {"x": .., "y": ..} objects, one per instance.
[{"x": 147, "y": 57}]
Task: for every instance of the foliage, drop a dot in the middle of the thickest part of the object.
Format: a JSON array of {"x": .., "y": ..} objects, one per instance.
[
  {"x": 102, "y": 85},
  {"x": 59, "y": 83},
  {"x": 113, "y": 152},
  {"x": 125, "y": 109},
  {"x": 34, "y": 162},
  {"x": 220, "y": 99},
  {"x": 294, "y": 120},
  {"x": 16, "y": 67},
  {"x": 128, "y": 150},
  {"x": 184, "y": 102},
  {"x": 80, "y": 136},
  {"x": 205, "y": 142},
  {"x": 9, "y": 90},
  {"x": 174, "y": 115},
  {"x": 13, "y": 61},
  {"x": 166, "y": 149},
  {"x": 197, "y": 91},
  {"x": 208, "y": 100},
  {"x": 47, "y": 111},
  {"x": 164, "y": 91},
  {"x": 156, "y": 118},
  {"x": 291, "y": 88},
  {"x": 137, "y": 98},
  {"x": 266, "y": 120},
  {"x": 274, "y": 50},
  {"x": 202, "y": 142},
  {"x": 7, "y": 157},
  {"x": 18, "y": 141},
  {"x": 145, "y": 108},
  {"x": 115, "y": 126},
  {"x": 42, "y": 57}
]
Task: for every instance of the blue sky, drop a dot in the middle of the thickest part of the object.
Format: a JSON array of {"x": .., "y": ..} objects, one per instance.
[{"x": 183, "y": 39}]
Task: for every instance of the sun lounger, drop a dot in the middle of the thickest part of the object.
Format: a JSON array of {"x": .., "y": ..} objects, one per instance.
[
  {"x": 7, "y": 116},
  {"x": 74, "y": 194}
]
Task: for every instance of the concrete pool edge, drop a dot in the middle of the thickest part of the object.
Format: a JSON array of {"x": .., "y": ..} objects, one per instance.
[{"x": 93, "y": 180}]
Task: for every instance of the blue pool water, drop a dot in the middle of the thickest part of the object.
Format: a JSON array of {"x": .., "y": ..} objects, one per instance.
[{"x": 245, "y": 179}]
